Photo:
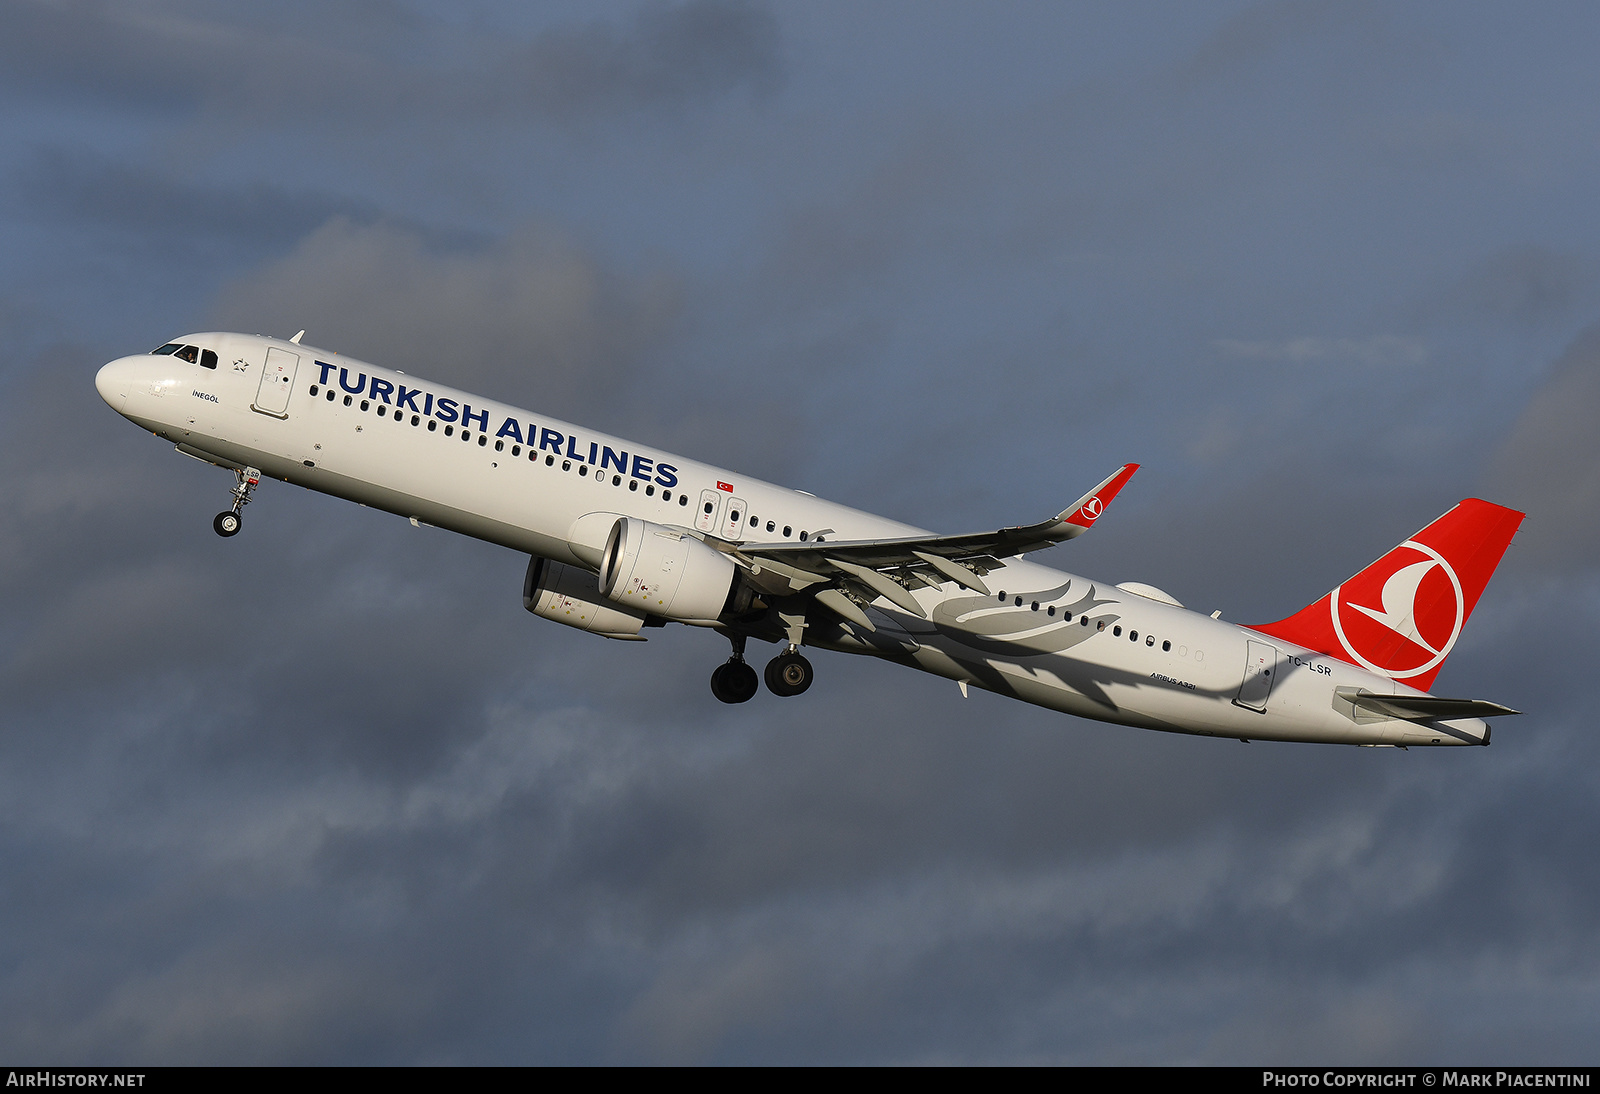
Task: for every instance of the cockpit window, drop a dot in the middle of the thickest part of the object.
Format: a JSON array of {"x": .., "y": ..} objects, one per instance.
[
  {"x": 208, "y": 358},
  {"x": 170, "y": 347},
  {"x": 190, "y": 354}
]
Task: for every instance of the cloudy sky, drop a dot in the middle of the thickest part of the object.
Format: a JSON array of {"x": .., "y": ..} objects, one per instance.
[{"x": 325, "y": 793}]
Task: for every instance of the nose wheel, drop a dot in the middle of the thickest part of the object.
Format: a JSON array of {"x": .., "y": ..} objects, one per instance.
[{"x": 229, "y": 521}]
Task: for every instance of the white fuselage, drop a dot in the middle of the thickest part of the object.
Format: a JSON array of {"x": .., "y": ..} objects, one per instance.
[{"x": 551, "y": 489}]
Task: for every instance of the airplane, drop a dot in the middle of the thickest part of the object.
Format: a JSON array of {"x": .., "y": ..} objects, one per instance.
[{"x": 623, "y": 538}]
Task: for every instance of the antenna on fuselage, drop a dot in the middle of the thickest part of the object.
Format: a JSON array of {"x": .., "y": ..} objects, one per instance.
[{"x": 296, "y": 338}]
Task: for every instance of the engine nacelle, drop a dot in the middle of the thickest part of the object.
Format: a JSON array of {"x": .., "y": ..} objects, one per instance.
[
  {"x": 656, "y": 570},
  {"x": 572, "y": 596}
]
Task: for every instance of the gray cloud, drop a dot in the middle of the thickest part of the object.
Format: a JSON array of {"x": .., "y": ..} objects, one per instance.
[
  {"x": 1549, "y": 463},
  {"x": 1526, "y": 284},
  {"x": 173, "y": 58},
  {"x": 166, "y": 208},
  {"x": 1384, "y": 350},
  {"x": 676, "y": 54},
  {"x": 532, "y": 319}
]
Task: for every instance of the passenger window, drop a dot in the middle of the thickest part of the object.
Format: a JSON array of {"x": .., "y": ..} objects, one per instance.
[
  {"x": 332, "y": 395},
  {"x": 733, "y": 518},
  {"x": 449, "y": 430},
  {"x": 803, "y": 536},
  {"x": 633, "y": 484},
  {"x": 755, "y": 521},
  {"x": 1002, "y": 596},
  {"x": 313, "y": 391},
  {"x": 1133, "y": 636},
  {"x": 483, "y": 441},
  {"x": 348, "y": 399},
  {"x": 1035, "y": 605},
  {"x": 666, "y": 495},
  {"x": 1117, "y": 631},
  {"x": 1019, "y": 601},
  {"x": 770, "y": 526},
  {"x": 709, "y": 508},
  {"x": 583, "y": 470},
  {"x": 787, "y": 531},
  {"x": 364, "y": 405},
  {"x": 499, "y": 446},
  {"x": 1050, "y": 610},
  {"x": 208, "y": 359},
  {"x": 566, "y": 465},
  {"x": 1166, "y": 646},
  {"x": 616, "y": 480},
  {"x": 433, "y": 425},
  {"x": 516, "y": 450},
  {"x": 1067, "y": 616},
  {"x": 650, "y": 491},
  {"x": 549, "y": 461},
  {"x": 683, "y": 499}
]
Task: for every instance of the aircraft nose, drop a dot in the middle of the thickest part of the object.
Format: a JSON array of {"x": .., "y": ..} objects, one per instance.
[{"x": 112, "y": 383}]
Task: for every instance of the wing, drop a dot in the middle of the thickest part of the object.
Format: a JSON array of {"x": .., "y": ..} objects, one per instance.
[{"x": 849, "y": 574}]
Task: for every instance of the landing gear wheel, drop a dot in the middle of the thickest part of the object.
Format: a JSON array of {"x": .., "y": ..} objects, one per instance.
[
  {"x": 788, "y": 674},
  {"x": 228, "y": 522},
  {"x": 734, "y": 682}
]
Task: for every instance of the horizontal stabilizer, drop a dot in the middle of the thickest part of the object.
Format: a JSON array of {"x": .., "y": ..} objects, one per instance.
[{"x": 1423, "y": 708}]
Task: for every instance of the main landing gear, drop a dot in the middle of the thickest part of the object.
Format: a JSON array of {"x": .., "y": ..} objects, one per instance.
[
  {"x": 228, "y": 522},
  {"x": 735, "y": 682},
  {"x": 788, "y": 673}
]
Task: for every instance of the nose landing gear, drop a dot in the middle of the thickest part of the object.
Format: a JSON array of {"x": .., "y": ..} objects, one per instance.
[{"x": 229, "y": 521}]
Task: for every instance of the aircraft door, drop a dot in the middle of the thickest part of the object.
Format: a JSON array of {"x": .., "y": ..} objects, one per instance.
[
  {"x": 277, "y": 381},
  {"x": 733, "y": 525},
  {"x": 1261, "y": 662},
  {"x": 706, "y": 516}
]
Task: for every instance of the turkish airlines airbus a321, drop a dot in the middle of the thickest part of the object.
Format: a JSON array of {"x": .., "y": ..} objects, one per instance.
[{"x": 624, "y": 537}]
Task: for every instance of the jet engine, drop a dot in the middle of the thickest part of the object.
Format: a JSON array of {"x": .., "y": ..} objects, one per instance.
[
  {"x": 569, "y": 595},
  {"x": 660, "y": 571}
]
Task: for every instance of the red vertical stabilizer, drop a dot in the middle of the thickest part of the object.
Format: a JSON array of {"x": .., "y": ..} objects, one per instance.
[{"x": 1401, "y": 616}]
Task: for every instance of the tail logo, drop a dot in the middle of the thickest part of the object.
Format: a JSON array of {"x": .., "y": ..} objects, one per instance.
[
  {"x": 1092, "y": 508},
  {"x": 1407, "y": 625}
]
